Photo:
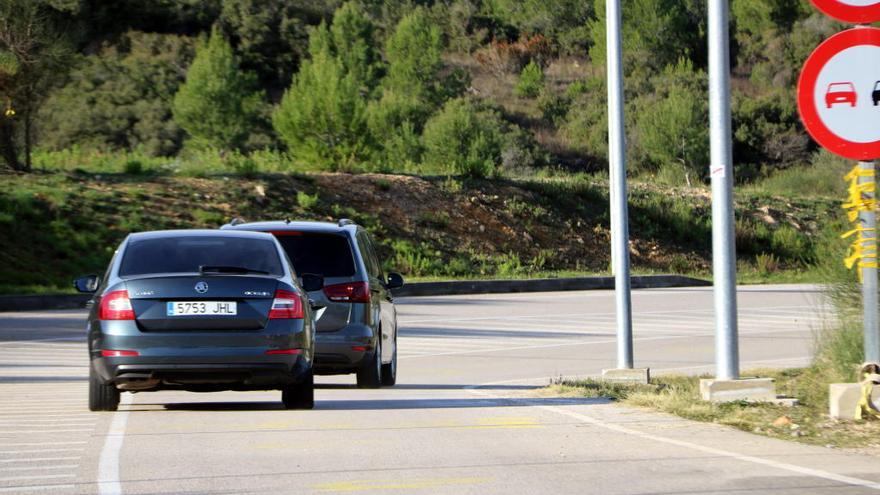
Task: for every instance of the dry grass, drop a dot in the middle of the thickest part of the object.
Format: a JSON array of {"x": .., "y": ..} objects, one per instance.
[{"x": 679, "y": 395}]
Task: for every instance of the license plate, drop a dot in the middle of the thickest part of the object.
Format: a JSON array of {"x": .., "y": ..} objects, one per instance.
[{"x": 202, "y": 308}]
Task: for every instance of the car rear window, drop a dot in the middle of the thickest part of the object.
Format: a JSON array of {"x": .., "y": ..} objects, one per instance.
[
  {"x": 322, "y": 254},
  {"x": 186, "y": 254}
]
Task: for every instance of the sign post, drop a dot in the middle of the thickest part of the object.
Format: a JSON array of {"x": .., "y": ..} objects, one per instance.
[
  {"x": 839, "y": 103},
  {"x": 721, "y": 173}
]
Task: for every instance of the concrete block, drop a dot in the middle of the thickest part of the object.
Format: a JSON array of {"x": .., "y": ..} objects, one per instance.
[
  {"x": 748, "y": 389},
  {"x": 844, "y": 397},
  {"x": 635, "y": 375}
]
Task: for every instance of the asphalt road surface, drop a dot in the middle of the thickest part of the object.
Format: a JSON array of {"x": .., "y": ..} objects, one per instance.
[{"x": 462, "y": 419}]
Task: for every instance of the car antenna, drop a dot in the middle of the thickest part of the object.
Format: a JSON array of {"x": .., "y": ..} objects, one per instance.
[
  {"x": 287, "y": 220},
  {"x": 237, "y": 221}
]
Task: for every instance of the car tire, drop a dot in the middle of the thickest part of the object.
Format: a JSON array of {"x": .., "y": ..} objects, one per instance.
[
  {"x": 389, "y": 371},
  {"x": 101, "y": 397},
  {"x": 300, "y": 395},
  {"x": 370, "y": 374}
]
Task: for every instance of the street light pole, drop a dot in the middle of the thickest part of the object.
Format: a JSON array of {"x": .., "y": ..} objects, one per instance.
[
  {"x": 721, "y": 172},
  {"x": 617, "y": 191}
]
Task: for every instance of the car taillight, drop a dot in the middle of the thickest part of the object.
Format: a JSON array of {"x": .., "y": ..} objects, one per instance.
[
  {"x": 116, "y": 306},
  {"x": 286, "y": 305},
  {"x": 350, "y": 292}
]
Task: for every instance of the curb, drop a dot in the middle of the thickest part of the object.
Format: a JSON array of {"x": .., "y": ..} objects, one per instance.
[
  {"x": 415, "y": 289},
  {"x": 464, "y": 287}
]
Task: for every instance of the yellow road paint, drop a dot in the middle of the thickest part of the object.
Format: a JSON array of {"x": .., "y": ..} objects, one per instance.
[{"x": 366, "y": 485}]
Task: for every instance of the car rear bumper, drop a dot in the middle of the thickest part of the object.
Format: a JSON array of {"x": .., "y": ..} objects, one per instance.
[
  {"x": 242, "y": 373},
  {"x": 343, "y": 351}
]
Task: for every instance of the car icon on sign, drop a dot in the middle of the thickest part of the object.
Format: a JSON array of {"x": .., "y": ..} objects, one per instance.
[
  {"x": 842, "y": 92},
  {"x": 876, "y": 94}
]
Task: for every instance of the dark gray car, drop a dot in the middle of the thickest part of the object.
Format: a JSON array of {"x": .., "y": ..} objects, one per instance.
[
  {"x": 357, "y": 328},
  {"x": 200, "y": 310}
]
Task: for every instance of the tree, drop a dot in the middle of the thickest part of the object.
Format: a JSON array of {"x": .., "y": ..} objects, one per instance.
[
  {"x": 219, "y": 104},
  {"x": 120, "y": 98},
  {"x": 531, "y": 80},
  {"x": 322, "y": 117},
  {"x": 33, "y": 55},
  {"x": 672, "y": 126},
  {"x": 414, "y": 58}
]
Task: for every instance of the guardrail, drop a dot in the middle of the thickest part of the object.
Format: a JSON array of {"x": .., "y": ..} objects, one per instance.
[{"x": 414, "y": 289}]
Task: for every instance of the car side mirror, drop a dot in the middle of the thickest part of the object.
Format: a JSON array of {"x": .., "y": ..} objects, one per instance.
[
  {"x": 395, "y": 281},
  {"x": 88, "y": 284},
  {"x": 312, "y": 282}
]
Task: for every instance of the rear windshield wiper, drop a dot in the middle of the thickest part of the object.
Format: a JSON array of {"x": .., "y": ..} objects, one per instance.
[{"x": 229, "y": 269}]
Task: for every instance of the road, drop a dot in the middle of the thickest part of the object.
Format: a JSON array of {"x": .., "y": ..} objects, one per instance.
[{"x": 462, "y": 419}]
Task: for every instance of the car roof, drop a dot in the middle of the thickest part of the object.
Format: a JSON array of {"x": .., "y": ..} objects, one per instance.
[
  {"x": 164, "y": 234},
  {"x": 302, "y": 226}
]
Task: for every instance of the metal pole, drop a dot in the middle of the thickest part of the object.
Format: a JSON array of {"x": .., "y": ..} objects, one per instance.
[
  {"x": 617, "y": 191},
  {"x": 723, "y": 249},
  {"x": 868, "y": 220}
]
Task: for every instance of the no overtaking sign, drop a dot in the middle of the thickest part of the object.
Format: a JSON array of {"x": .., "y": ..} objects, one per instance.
[
  {"x": 853, "y": 11},
  {"x": 839, "y": 93}
]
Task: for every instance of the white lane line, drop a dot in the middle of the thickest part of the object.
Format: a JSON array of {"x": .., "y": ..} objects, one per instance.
[
  {"x": 108, "y": 465},
  {"x": 34, "y": 451},
  {"x": 708, "y": 312},
  {"x": 34, "y": 488},
  {"x": 40, "y": 459},
  {"x": 52, "y": 427},
  {"x": 44, "y": 431},
  {"x": 54, "y": 339},
  {"x": 597, "y": 342},
  {"x": 55, "y": 421},
  {"x": 39, "y": 468},
  {"x": 32, "y": 444},
  {"x": 37, "y": 477}
]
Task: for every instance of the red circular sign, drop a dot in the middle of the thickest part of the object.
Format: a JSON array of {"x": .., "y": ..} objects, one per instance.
[
  {"x": 853, "y": 11},
  {"x": 839, "y": 94}
]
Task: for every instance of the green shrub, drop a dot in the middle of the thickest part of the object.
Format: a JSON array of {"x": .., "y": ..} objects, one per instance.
[
  {"x": 306, "y": 201},
  {"x": 791, "y": 244},
  {"x": 464, "y": 140},
  {"x": 531, "y": 81},
  {"x": 672, "y": 128},
  {"x": 133, "y": 167}
]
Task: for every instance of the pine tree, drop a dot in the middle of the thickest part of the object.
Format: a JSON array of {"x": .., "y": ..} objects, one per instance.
[{"x": 219, "y": 104}]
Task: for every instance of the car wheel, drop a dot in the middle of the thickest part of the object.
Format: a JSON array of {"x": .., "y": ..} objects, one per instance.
[
  {"x": 389, "y": 371},
  {"x": 370, "y": 374},
  {"x": 101, "y": 397},
  {"x": 300, "y": 395}
]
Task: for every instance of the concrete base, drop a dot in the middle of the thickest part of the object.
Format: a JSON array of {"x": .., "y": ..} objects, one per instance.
[
  {"x": 843, "y": 398},
  {"x": 634, "y": 375},
  {"x": 749, "y": 389}
]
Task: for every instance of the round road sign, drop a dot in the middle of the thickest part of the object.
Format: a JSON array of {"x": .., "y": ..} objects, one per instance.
[
  {"x": 853, "y": 11},
  {"x": 839, "y": 94}
]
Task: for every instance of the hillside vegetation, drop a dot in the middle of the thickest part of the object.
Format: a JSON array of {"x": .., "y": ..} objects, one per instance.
[
  {"x": 62, "y": 225},
  {"x": 479, "y": 88}
]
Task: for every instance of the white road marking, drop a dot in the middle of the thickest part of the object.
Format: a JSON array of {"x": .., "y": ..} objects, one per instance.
[
  {"x": 8, "y": 452},
  {"x": 44, "y": 431},
  {"x": 36, "y": 477},
  {"x": 39, "y": 468},
  {"x": 594, "y": 342},
  {"x": 108, "y": 465},
  {"x": 40, "y": 459},
  {"x": 816, "y": 473},
  {"x": 34, "y": 488},
  {"x": 29, "y": 444}
]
